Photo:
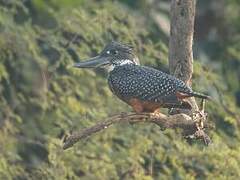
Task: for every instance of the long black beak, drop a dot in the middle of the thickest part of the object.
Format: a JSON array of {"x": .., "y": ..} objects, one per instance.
[{"x": 94, "y": 62}]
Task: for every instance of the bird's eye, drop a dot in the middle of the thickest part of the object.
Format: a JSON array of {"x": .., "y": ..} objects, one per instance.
[
  {"x": 115, "y": 52},
  {"x": 112, "y": 52}
]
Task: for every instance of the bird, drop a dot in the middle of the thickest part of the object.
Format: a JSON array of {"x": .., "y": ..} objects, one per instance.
[{"x": 144, "y": 88}]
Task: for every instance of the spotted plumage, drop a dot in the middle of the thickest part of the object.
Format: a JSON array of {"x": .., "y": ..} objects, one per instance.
[
  {"x": 146, "y": 84},
  {"x": 144, "y": 88}
]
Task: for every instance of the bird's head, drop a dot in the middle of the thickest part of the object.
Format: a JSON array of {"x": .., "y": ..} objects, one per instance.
[{"x": 114, "y": 54}]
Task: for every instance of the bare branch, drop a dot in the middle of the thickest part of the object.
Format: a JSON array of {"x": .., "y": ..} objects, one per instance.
[{"x": 182, "y": 121}]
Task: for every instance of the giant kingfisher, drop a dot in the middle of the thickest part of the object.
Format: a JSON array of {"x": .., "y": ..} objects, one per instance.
[{"x": 144, "y": 88}]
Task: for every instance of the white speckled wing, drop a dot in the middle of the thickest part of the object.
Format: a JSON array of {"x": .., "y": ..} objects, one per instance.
[{"x": 144, "y": 83}]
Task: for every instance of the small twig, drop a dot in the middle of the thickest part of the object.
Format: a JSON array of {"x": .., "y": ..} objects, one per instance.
[
  {"x": 182, "y": 121},
  {"x": 200, "y": 134}
]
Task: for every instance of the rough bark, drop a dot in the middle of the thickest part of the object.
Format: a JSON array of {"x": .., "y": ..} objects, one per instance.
[{"x": 181, "y": 41}]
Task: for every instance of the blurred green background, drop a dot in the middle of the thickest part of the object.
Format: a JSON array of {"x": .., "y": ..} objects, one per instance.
[{"x": 42, "y": 97}]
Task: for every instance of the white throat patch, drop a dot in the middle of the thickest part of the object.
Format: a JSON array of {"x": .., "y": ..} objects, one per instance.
[
  {"x": 126, "y": 61},
  {"x": 111, "y": 67}
]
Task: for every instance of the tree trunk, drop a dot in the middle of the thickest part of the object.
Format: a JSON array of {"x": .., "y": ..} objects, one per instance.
[{"x": 181, "y": 40}]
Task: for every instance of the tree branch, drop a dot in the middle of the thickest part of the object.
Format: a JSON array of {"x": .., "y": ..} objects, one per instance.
[{"x": 182, "y": 121}]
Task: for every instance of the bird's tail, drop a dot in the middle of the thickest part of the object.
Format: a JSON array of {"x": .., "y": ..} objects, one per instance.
[{"x": 200, "y": 95}]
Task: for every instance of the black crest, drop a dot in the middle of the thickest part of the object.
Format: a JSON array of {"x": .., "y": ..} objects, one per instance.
[{"x": 119, "y": 46}]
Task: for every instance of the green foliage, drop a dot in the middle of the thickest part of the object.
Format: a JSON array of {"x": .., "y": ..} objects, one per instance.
[{"x": 42, "y": 97}]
